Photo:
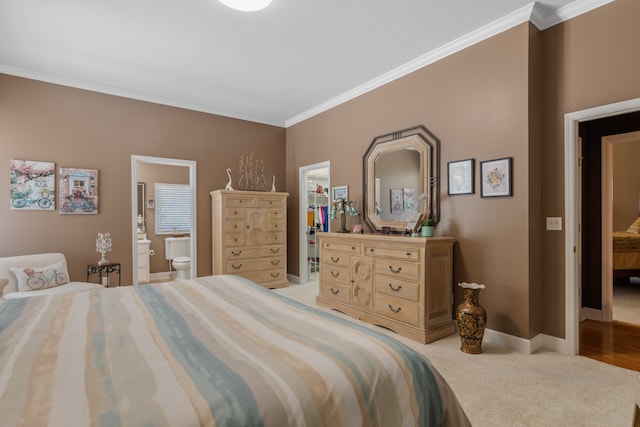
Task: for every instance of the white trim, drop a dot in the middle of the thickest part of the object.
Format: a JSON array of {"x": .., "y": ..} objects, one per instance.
[
  {"x": 303, "y": 273},
  {"x": 191, "y": 164},
  {"x": 509, "y": 21},
  {"x": 572, "y": 287},
  {"x": 132, "y": 94},
  {"x": 533, "y": 12},
  {"x": 521, "y": 345}
]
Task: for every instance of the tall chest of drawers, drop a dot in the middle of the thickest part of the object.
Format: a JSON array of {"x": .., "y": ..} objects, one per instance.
[
  {"x": 401, "y": 283},
  {"x": 250, "y": 235}
]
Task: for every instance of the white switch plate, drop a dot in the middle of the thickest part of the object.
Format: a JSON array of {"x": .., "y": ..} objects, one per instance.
[{"x": 554, "y": 223}]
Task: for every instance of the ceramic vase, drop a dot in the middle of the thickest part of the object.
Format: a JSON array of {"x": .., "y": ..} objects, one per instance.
[
  {"x": 427, "y": 230},
  {"x": 471, "y": 318}
]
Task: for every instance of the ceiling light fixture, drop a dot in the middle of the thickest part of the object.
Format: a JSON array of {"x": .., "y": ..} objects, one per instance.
[{"x": 246, "y": 5}]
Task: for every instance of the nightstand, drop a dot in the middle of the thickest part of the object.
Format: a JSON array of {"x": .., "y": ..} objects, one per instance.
[{"x": 103, "y": 271}]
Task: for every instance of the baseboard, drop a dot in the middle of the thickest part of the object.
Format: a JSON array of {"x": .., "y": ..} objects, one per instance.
[
  {"x": 527, "y": 346},
  {"x": 591, "y": 314},
  {"x": 164, "y": 275},
  {"x": 293, "y": 279}
]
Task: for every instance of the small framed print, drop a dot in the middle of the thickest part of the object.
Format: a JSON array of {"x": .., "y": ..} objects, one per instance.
[
  {"x": 460, "y": 177},
  {"x": 397, "y": 202},
  {"x": 341, "y": 192},
  {"x": 496, "y": 178}
]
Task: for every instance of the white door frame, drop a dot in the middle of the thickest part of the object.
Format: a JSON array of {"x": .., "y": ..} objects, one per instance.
[
  {"x": 571, "y": 211},
  {"x": 303, "y": 275}
]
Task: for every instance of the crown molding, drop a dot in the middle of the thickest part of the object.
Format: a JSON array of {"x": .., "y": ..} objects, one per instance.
[
  {"x": 533, "y": 13},
  {"x": 131, "y": 94}
]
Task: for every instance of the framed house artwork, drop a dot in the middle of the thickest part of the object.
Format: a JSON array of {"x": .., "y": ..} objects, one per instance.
[
  {"x": 78, "y": 189},
  {"x": 397, "y": 203},
  {"x": 496, "y": 177},
  {"x": 32, "y": 185}
]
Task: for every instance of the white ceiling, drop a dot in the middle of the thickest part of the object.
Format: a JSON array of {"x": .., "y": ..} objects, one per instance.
[{"x": 277, "y": 66}]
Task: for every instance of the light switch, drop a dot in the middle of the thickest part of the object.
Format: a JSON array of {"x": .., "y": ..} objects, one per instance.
[{"x": 554, "y": 223}]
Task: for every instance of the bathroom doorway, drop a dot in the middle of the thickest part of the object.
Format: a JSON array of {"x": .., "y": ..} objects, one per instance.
[
  {"x": 314, "y": 201},
  {"x": 142, "y": 211}
]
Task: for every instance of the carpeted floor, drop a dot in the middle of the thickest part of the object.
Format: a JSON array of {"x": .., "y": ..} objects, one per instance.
[{"x": 501, "y": 387}]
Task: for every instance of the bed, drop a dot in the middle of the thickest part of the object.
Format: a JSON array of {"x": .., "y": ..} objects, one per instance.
[
  {"x": 626, "y": 251},
  {"x": 218, "y": 351}
]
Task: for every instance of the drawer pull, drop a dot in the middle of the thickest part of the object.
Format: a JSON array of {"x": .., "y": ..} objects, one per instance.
[
  {"x": 353, "y": 248},
  {"x": 395, "y": 271},
  {"x": 236, "y": 266},
  {"x": 408, "y": 253},
  {"x": 397, "y": 310},
  {"x": 274, "y": 275},
  {"x": 275, "y": 250},
  {"x": 275, "y": 262},
  {"x": 335, "y": 291},
  {"x": 336, "y": 259},
  {"x": 236, "y": 253},
  {"x": 235, "y": 212},
  {"x": 371, "y": 250},
  {"x": 335, "y": 273},
  {"x": 395, "y": 289},
  {"x": 235, "y": 240}
]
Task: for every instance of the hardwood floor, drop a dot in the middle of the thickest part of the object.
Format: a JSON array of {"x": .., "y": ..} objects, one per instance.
[{"x": 615, "y": 343}]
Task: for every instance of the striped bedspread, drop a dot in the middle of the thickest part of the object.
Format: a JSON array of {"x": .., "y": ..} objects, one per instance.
[{"x": 215, "y": 351}]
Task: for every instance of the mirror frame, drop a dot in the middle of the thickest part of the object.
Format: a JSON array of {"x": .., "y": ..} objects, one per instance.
[
  {"x": 427, "y": 144},
  {"x": 191, "y": 164}
]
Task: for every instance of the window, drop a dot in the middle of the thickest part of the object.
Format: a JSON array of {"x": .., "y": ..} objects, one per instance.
[{"x": 173, "y": 208}]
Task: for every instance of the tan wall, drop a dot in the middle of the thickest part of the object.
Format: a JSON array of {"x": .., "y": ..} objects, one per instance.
[
  {"x": 476, "y": 103},
  {"x": 77, "y": 128},
  {"x": 588, "y": 61}
]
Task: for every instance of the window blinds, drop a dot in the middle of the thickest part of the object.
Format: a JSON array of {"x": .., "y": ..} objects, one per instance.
[{"x": 173, "y": 208}]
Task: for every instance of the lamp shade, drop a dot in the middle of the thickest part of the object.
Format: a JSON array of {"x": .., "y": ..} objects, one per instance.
[{"x": 246, "y": 5}]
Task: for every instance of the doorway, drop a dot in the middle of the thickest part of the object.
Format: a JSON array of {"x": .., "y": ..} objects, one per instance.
[
  {"x": 574, "y": 275},
  {"x": 314, "y": 184}
]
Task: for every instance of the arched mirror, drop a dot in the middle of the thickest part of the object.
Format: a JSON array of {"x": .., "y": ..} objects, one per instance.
[{"x": 401, "y": 179}]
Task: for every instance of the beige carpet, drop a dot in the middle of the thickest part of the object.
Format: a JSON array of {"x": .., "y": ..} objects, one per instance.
[{"x": 501, "y": 387}]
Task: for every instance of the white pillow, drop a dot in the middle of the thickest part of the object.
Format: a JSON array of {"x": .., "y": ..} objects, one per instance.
[{"x": 36, "y": 278}]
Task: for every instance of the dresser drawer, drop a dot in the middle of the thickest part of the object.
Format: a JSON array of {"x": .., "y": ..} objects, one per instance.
[
  {"x": 234, "y": 239},
  {"x": 233, "y": 213},
  {"x": 270, "y": 202},
  {"x": 406, "y": 254},
  {"x": 335, "y": 274},
  {"x": 275, "y": 213},
  {"x": 397, "y": 309},
  {"x": 253, "y": 252},
  {"x": 274, "y": 237},
  {"x": 398, "y": 269},
  {"x": 276, "y": 225},
  {"x": 234, "y": 226},
  {"x": 397, "y": 288},
  {"x": 240, "y": 202},
  {"x": 336, "y": 291},
  {"x": 330, "y": 259},
  {"x": 237, "y": 266},
  {"x": 342, "y": 247},
  {"x": 265, "y": 276}
]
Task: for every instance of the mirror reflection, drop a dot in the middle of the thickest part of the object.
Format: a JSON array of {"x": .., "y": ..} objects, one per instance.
[
  {"x": 141, "y": 214},
  {"x": 401, "y": 176}
]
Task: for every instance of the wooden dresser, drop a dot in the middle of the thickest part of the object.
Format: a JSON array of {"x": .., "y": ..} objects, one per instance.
[
  {"x": 401, "y": 283},
  {"x": 250, "y": 235}
]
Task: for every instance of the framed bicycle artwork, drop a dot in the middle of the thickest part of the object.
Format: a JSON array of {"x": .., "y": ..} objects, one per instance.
[
  {"x": 78, "y": 190},
  {"x": 32, "y": 185}
]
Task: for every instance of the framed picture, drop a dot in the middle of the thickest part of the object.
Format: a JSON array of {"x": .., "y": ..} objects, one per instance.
[
  {"x": 357, "y": 228},
  {"x": 460, "y": 177},
  {"x": 408, "y": 201},
  {"x": 341, "y": 192},
  {"x": 496, "y": 177},
  {"x": 78, "y": 189},
  {"x": 32, "y": 185},
  {"x": 151, "y": 203},
  {"x": 397, "y": 203}
]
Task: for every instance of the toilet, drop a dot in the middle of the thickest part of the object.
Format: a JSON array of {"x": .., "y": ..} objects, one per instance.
[{"x": 178, "y": 250}]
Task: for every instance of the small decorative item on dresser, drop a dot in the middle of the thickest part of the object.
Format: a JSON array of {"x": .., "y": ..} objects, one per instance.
[
  {"x": 103, "y": 245},
  {"x": 428, "y": 227},
  {"x": 471, "y": 318}
]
